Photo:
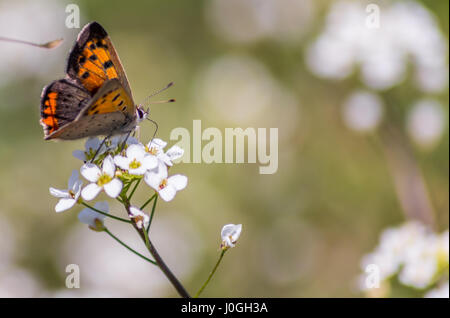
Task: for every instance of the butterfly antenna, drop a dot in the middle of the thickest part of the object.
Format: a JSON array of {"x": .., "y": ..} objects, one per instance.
[
  {"x": 48, "y": 45},
  {"x": 158, "y": 92}
]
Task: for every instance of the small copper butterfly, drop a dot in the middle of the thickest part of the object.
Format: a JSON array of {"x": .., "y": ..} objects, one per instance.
[{"x": 95, "y": 97}]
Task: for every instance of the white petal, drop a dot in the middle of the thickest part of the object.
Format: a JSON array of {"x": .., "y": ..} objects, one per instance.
[
  {"x": 77, "y": 189},
  {"x": 59, "y": 193},
  {"x": 168, "y": 193},
  {"x": 138, "y": 171},
  {"x": 162, "y": 170},
  {"x": 175, "y": 152},
  {"x": 230, "y": 233},
  {"x": 90, "y": 172},
  {"x": 73, "y": 178},
  {"x": 116, "y": 140},
  {"x": 237, "y": 232},
  {"x": 132, "y": 141},
  {"x": 108, "y": 166},
  {"x": 135, "y": 211},
  {"x": 135, "y": 152},
  {"x": 149, "y": 162},
  {"x": 178, "y": 181},
  {"x": 165, "y": 159},
  {"x": 113, "y": 188},
  {"x": 87, "y": 216},
  {"x": 64, "y": 204},
  {"x": 92, "y": 143},
  {"x": 152, "y": 179},
  {"x": 79, "y": 154},
  {"x": 122, "y": 162},
  {"x": 90, "y": 191},
  {"x": 102, "y": 206},
  {"x": 157, "y": 143}
]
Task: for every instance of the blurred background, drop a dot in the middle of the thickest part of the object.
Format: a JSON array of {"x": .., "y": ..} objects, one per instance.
[{"x": 362, "y": 115}]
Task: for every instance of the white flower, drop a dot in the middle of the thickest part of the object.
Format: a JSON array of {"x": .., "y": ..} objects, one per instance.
[
  {"x": 230, "y": 234},
  {"x": 441, "y": 291},
  {"x": 142, "y": 219},
  {"x": 117, "y": 141},
  {"x": 411, "y": 251},
  {"x": 100, "y": 179},
  {"x": 426, "y": 123},
  {"x": 362, "y": 112},
  {"x": 137, "y": 161},
  {"x": 167, "y": 187},
  {"x": 408, "y": 34},
  {"x": 68, "y": 197},
  {"x": 92, "y": 218},
  {"x": 91, "y": 146},
  {"x": 156, "y": 148}
]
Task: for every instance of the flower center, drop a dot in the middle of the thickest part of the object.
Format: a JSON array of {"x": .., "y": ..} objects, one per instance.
[
  {"x": 152, "y": 150},
  {"x": 104, "y": 179},
  {"x": 72, "y": 194},
  {"x": 134, "y": 164},
  {"x": 163, "y": 184}
]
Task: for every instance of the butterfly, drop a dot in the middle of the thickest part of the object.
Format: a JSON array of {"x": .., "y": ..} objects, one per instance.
[{"x": 95, "y": 97}]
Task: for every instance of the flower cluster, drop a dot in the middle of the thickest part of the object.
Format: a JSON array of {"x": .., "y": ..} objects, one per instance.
[
  {"x": 111, "y": 167},
  {"x": 416, "y": 256}
]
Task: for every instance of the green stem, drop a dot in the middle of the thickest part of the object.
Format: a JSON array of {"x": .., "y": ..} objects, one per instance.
[
  {"x": 104, "y": 213},
  {"x": 134, "y": 189},
  {"x": 211, "y": 274},
  {"x": 151, "y": 248},
  {"x": 152, "y": 213},
  {"x": 129, "y": 248},
  {"x": 147, "y": 202}
]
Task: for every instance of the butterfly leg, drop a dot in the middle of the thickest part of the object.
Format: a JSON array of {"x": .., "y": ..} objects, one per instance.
[
  {"x": 156, "y": 128},
  {"x": 100, "y": 147},
  {"x": 124, "y": 143}
]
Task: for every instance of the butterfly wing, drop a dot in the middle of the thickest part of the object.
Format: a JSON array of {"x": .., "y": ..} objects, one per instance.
[
  {"x": 95, "y": 98},
  {"x": 106, "y": 113},
  {"x": 93, "y": 60},
  {"x": 61, "y": 102}
]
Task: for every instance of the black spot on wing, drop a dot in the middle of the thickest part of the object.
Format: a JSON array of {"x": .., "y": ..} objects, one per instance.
[{"x": 108, "y": 64}]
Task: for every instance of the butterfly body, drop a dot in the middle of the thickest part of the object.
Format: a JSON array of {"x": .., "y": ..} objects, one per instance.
[{"x": 95, "y": 97}]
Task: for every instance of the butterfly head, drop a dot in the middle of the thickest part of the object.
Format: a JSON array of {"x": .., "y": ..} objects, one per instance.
[{"x": 141, "y": 113}]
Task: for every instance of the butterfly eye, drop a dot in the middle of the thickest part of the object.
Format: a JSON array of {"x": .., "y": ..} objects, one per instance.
[{"x": 141, "y": 114}]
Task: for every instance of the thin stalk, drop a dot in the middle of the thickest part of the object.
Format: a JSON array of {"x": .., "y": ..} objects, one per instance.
[
  {"x": 151, "y": 248},
  {"x": 48, "y": 45},
  {"x": 211, "y": 274},
  {"x": 148, "y": 201},
  {"x": 152, "y": 213},
  {"x": 105, "y": 214},
  {"x": 134, "y": 189},
  {"x": 129, "y": 248}
]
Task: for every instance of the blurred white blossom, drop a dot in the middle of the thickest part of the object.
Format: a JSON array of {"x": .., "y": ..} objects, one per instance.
[
  {"x": 413, "y": 252},
  {"x": 362, "y": 111},
  {"x": 91, "y": 146},
  {"x": 253, "y": 20},
  {"x": 241, "y": 90},
  {"x": 34, "y": 21},
  {"x": 441, "y": 291},
  {"x": 407, "y": 29},
  {"x": 92, "y": 218},
  {"x": 426, "y": 123}
]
